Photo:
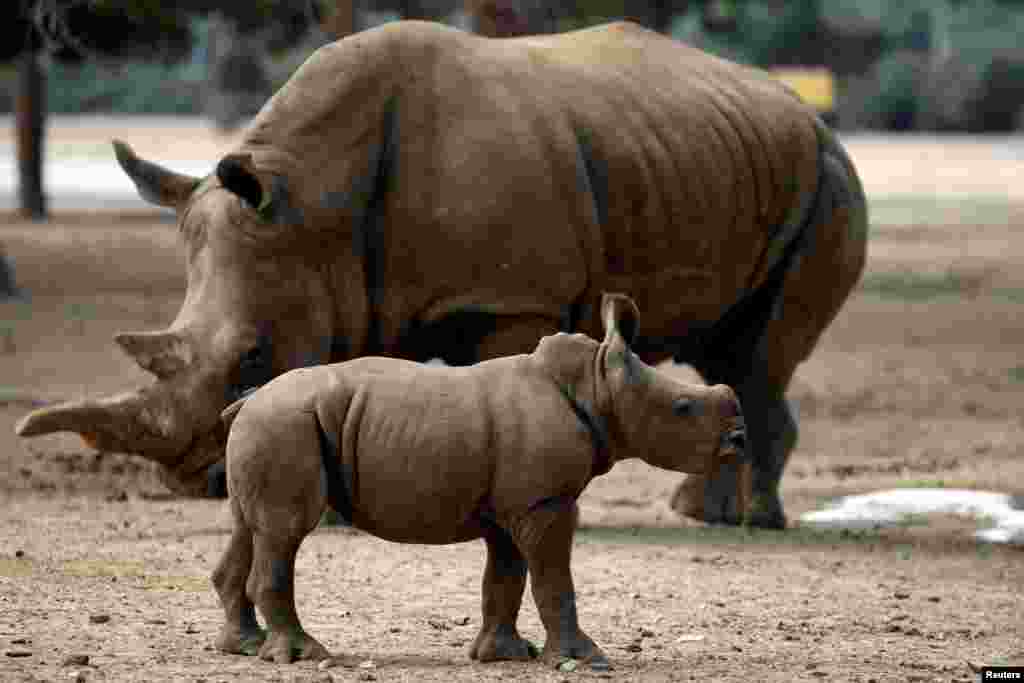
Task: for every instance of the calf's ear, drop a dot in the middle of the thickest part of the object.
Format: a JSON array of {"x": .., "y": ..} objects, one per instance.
[{"x": 621, "y": 319}]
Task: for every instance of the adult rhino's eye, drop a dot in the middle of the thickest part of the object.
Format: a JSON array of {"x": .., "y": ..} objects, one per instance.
[
  {"x": 254, "y": 370},
  {"x": 251, "y": 359},
  {"x": 685, "y": 407}
]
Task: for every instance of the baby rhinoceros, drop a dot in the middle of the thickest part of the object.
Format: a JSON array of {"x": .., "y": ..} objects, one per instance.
[{"x": 417, "y": 453}]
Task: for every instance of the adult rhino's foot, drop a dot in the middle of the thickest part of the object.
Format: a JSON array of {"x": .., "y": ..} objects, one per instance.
[
  {"x": 240, "y": 641},
  {"x": 579, "y": 648},
  {"x": 716, "y": 502},
  {"x": 501, "y": 642},
  {"x": 766, "y": 511},
  {"x": 285, "y": 648}
]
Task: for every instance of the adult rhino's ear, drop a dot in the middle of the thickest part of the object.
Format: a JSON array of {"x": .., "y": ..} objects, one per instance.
[
  {"x": 267, "y": 196},
  {"x": 236, "y": 175},
  {"x": 164, "y": 354},
  {"x": 156, "y": 184},
  {"x": 621, "y": 319}
]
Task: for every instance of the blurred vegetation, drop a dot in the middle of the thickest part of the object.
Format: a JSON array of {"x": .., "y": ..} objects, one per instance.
[{"x": 917, "y": 64}]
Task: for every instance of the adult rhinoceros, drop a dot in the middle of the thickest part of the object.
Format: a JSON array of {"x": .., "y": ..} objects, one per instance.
[{"x": 417, "y": 191}]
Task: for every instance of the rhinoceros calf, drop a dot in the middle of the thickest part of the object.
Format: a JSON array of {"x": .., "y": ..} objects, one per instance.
[
  {"x": 417, "y": 191},
  {"x": 425, "y": 454}
]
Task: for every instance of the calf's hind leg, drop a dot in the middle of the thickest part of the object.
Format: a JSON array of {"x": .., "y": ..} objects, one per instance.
[
  {"x": 241, "y": 633},
  {"x": 503, "y": 586},
  {"x": 272, "y": 587},
  {"x": 279, "y": 480}
]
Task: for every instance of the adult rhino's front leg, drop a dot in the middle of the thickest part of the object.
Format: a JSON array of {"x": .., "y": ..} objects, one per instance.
[
  {"x": 503, "y": 585},
  {"x": 545, "y": 537}
]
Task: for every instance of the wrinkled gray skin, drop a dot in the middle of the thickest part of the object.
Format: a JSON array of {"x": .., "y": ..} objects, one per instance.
[
  {"x": 418, "y": 192},
  {"x": 414, "y": 453}
]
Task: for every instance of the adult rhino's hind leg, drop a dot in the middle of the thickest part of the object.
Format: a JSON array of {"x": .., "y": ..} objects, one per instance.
[
  {"x": 241, "y": 633},
  {"x": 816, "y": 285},
  {"x": 503, "y": 585},
  {"x": 514, "y": 334}
]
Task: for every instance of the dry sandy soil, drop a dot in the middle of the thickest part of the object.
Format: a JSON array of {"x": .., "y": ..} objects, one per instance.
[{"x": 919, "y": 382}]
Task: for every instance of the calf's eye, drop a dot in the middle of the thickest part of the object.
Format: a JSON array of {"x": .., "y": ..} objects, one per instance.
[{"x": 685, "y": 407}]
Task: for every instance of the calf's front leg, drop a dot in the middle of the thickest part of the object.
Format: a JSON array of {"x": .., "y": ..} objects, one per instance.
[{"x": 545, "y": 538}]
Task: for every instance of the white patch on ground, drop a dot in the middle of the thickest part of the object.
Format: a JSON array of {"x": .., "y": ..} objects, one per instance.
[{"x": 897, "y": 506}]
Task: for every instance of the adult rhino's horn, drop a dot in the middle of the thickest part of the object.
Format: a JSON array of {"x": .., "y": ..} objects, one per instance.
[
  {"x": 156, "y": 184},
  {"x": 114, "y": 423},
  {"x": 162, "y": 353}
]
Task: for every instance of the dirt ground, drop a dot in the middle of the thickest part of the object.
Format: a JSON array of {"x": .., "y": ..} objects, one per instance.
[{"x": 919, "y": 382}]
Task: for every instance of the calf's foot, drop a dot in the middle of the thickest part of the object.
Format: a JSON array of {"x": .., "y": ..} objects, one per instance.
[
  {"x": 240, "y": 641},
  {"x": 287, "y": 647},
  {"x": 501, "y": 642},
  {"x": 578, "y": 647}
]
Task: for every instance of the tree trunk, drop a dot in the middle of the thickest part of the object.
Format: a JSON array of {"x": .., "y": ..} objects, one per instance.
[
  {"x": 7, "y": 286},
  {"x": 30, "y": 119}
]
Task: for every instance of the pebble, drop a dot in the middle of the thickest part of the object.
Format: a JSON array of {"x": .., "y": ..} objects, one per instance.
[
  {"x": 461, "y": 621},
  {"x": 18, "y": 653},
  {"x": 76, "y": 660},
  {"x": 21, "y": 641},
  {"x": 19, "y": 554},
  {"x": 99, "y": 618},
  {"x": 76, "y": 676}
]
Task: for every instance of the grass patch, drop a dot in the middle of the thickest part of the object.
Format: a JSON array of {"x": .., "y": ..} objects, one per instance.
[
  {"x": 904, "y": 551},
  {"x": 922, "y": 484},
  {"x": 100, "y": 568},
  {"x": 911, "y": 286},
  {"x": 722, "y": 535},
  {"x": 12, "y": 315},
  {"x": 1016, "y": 373},
  {"x": 13, "y": 568},
  {"x": 925, "y": 209},
  {"x": 186, "y": 584},
  {"x": 913, "y": 519}
]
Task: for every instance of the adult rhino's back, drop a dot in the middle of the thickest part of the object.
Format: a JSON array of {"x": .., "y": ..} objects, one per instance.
[{"x": 611, "y": 158}]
